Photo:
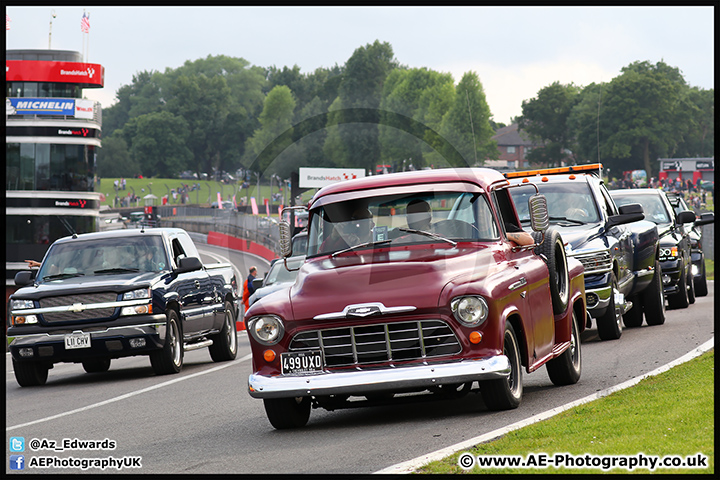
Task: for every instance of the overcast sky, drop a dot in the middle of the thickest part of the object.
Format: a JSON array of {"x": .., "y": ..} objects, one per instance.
[{"x": 515, "y": 51}]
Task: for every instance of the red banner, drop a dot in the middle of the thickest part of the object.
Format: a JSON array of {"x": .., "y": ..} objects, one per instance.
[{"x": 63, "y": 72}]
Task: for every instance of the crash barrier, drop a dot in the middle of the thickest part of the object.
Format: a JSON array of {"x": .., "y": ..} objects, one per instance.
[
  {"x": 241, "y": 244},
  {"x": 254, "y": 228}
]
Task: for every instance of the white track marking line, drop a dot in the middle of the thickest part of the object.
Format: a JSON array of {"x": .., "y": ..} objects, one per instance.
[{"x": 127, "y": 395}]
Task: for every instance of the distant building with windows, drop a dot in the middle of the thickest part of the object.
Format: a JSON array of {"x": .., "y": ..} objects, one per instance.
[
  {"x": 514, "y": 146},
  {"x": 51, "y": 139}
]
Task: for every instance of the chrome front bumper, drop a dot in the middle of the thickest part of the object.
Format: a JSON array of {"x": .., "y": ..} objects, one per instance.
[
  {"x": 155, "y": 328},
  {"x": 603, "y": 300},
  {"x": 368, "y": 381}
]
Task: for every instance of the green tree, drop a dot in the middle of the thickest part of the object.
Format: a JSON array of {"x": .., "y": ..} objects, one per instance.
[
  {"x": 159, "y": 144},
  {"x": 361, "y": 89},
  {"x": 275, "y": 120},
  {"x": 645, "y": 113},
  {"x": 700, "y": 138},
  {"x": 466, "y": 125},
  {"x": 309, "y": 135},
  {"x": 584, "y": 123},
  {"x": 142, "y": 96},
  {"x": 203, "y": 102},
  {"x": 545, "y": 119},
  {"x": 114, "y": 159},
  {"x": 422, "y": 95}
]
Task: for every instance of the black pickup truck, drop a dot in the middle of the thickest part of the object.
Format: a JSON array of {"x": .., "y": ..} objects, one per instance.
[
  {"x": 617, "y": 247},
  {"x": 106, "y": 295}
]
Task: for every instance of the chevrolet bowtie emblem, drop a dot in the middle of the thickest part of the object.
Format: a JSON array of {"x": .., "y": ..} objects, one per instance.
[
  {"x": 363, "y": 311},
  {"x": 76, "y": 307}
]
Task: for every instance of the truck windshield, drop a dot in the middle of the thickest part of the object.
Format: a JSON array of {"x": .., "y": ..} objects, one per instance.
[
  {"x": 652, "y": 204},
  {"x": 104, "y": 257},
  {"x": 390, "y": 219},
  {"x": 569, "y": 203}
]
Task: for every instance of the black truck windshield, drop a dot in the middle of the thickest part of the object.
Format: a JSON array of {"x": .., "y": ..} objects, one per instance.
[{"x": 107, "y": 256}]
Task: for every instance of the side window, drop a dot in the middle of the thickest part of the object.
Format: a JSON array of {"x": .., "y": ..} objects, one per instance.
[
  {"x": 504, "y": 205},
  {"x": 177, "y": 251},
  {"x": 607, "y": 204}
]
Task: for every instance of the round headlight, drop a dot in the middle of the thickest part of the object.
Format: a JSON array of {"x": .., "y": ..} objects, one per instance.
[
  {"x": 470, "y": 310},
  {"x": 267, "y": 329}
]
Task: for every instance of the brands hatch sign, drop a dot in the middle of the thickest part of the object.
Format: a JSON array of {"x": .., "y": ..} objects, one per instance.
[
  {"x": 91, "y": 74},
  {"x": 321, "y": 177}
]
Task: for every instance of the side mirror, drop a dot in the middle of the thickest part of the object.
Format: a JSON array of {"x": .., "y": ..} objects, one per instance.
[
  {"x": 24, "y": 278},
  {"x": 705, "y": 219},
  {"x": 632, "y": 212},
  {"x": 285, "y": 239},
  {"x": 631, "y": 208},
  {"x": 686, "y": 216},
  {"x": 257, "y": 283},
  {"x": 189, "y": 264},
  {"x": 539, "y": 215}
]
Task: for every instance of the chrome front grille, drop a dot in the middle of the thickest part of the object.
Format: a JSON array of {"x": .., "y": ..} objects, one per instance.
[
  {"x": 379, "y": 343},
  {"x": 85, "y": 299},
  {"x": 598, "y": 262}
]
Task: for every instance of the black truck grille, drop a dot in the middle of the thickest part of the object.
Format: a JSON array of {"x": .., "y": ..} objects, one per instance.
[
  {"x": 380, "y": 343},
  {"x": 86, "y": 300}
]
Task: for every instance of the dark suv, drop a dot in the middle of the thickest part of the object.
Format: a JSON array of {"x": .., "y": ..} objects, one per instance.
[
  {"x": 675, "y": 259},
  {"x": 695, "y": 233}
]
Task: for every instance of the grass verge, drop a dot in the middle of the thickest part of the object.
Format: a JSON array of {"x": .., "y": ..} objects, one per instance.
[
  {"x": 162, "y": 186},
  {"x": 671, "y": 414},
  {"x": 709, "y": 269}
]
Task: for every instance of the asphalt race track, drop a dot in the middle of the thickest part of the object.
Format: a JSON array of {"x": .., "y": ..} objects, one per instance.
[{"x": 204, "y": 421}]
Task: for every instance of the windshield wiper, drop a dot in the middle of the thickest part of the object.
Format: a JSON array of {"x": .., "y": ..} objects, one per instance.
[
  {"x": 58, "y": 276},
  {"x": 428, "y": 234},
  {"x": 565, "y": 219},
  {"x": 362, "y": 245},
  {"x": 117, "y": 270}
]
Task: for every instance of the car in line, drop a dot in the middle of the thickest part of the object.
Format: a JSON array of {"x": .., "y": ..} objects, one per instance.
[
  {"x": 675, "y": 258},
  {"x": 282, "y": 274},
  {"x": 106, "y": 295},
  {"x": 617, "y": 247},
  {"x": 386, "y": 309},
  {"x": 694, "y": 230}
]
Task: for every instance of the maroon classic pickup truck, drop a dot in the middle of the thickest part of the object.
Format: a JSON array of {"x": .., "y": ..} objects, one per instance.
[{"x": 410, "y": 285}]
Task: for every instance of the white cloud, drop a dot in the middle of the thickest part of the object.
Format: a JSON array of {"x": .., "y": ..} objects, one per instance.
[{"x": 507, "y": 87}]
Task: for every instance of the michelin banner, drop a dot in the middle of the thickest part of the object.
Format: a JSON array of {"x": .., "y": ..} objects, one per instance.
[{"x": 50, "y": 106}]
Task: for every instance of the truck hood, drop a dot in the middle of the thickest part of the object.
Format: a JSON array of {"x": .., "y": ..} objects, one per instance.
[
  {"x": 582, "y": 237},
  {"x": 97, "y": 283},
  {"x": 394, "y": 278}
]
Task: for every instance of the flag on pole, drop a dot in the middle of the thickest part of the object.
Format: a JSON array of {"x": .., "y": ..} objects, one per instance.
[
  {"x": 85, "y": 23},
  {"x": 7, "y": 22}
]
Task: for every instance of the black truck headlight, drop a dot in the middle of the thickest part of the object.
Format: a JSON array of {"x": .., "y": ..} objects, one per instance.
[
  {"x": 21, "y": 304},
  {"x": 470, "y": 310},
  {"x": 266, "y": 329},
  {"x": 136, "y": 294},
  {"x": 668, "y": 253},
  {"x": 17, "y": 317}
]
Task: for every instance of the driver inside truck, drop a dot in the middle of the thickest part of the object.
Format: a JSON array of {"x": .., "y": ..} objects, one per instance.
[
  {"x": 148, "y": 259},
  {"x": 419, "y": 215}
]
